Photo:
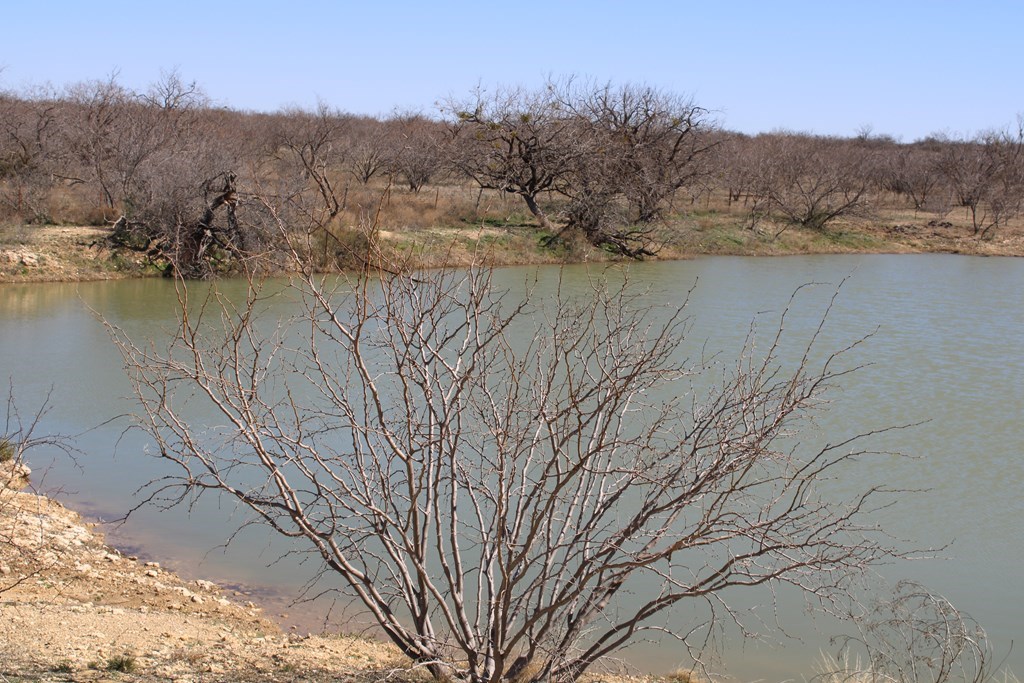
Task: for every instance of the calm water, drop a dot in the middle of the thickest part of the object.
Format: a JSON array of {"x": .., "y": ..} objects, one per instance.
[{"x": 947, "y": 352}]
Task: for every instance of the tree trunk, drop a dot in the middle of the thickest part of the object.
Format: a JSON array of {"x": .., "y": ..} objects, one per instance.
[{"x": 531, "y": 202}]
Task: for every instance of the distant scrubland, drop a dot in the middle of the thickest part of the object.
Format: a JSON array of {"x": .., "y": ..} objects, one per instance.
[{"x": 571, "y": 171}]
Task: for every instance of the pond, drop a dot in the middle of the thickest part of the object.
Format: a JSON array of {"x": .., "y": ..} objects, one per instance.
[{"x": 945, "y": 354}]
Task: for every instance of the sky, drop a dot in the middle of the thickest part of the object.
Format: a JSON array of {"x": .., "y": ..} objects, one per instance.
[{"x": 905, "y": 68}]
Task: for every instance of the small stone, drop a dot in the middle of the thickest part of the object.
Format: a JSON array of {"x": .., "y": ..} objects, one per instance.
[
  {"x": 152, "y": 572},
  {"x": 197, "y": 599}
]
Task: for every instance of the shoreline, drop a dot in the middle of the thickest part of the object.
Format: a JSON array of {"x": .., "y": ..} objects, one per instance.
[
  {"x": 30, "y": 254},
  {"x": 73, "y": 608}
]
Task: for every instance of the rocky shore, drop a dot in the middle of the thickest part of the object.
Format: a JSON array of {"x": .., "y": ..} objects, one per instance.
[{"x": 74, "y": 609}]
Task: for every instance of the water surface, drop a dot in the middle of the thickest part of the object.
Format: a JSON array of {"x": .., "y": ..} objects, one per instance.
[{"x": 945, "y": 351}]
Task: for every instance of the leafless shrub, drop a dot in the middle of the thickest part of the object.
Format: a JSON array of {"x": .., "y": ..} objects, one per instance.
[{"x": 912, "y": 636}]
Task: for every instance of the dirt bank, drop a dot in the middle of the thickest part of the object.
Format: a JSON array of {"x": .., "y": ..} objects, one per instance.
[
  {"x": 74, "y": 609},
  {"x": 67, "y": 253},
  {"x": 63, "y": 254}
]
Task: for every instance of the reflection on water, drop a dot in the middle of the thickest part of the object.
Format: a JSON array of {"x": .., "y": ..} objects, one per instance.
[{"x": 946, "y": 351}]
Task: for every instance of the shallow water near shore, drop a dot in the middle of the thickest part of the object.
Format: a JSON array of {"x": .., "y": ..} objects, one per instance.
[{"x": 946, "y": 352}]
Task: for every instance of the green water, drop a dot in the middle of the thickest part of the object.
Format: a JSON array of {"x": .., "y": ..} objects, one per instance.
[{"x": 946, "y": 352}]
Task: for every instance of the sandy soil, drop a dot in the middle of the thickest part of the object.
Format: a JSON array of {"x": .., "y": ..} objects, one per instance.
[{"x": 74, "y": 609}]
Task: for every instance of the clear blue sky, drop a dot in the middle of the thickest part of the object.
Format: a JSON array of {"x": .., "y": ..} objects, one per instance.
[{"x": 907, "y": 68}]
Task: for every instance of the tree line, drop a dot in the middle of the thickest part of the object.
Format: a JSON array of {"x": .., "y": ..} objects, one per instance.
[{"x": 201, "y": 187}]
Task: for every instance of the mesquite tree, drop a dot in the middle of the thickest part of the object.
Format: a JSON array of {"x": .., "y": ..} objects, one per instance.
[{"x": 512, "y": 486}]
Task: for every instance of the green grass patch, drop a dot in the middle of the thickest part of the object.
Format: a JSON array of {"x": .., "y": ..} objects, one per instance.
[
  {"x": 122, "y": 664},
  {"x": 6, "y": 450}
]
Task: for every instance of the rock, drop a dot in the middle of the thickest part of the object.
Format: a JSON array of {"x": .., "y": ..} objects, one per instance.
[{"x": 14, "y": 475}]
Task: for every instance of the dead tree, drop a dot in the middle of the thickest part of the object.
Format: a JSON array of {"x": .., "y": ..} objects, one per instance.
[
  {"x": 194, "y": 243},
  {"x": 190, "y": 246}
]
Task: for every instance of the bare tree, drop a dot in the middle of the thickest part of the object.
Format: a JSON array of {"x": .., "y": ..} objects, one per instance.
[
  {"x": 811, "y": 181},
  {"x": 913, "y": 171},
  {"x": 312, "y": 141},
  {"x": 165, "y": 171},
  {"x": 735, "y": 160},
  {"x": 495, "y": 478},
  {"x": 986, "y": 175},
  {"x": 659, "y": 138},
  {"x": 602, "y": 148},
  {"x": 517, "y": 141},
  {"x": 415, "y": 144},
  {"x": 27, "y": 155},
  {"x": 369, "y": 150},
  {"x": 171, "y": 92},
  {"x": 115, "y": 134}
]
